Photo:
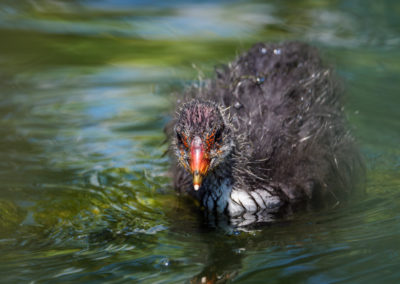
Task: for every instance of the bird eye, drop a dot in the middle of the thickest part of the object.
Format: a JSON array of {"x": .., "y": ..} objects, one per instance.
[
  {"x": 218, "y": 134},
  {"x": 179, "y": 137},
  {"x": 182, "y": 139}
]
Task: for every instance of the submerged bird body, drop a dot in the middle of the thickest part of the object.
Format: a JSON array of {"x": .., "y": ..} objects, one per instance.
[{"x": 268, "y": 131}]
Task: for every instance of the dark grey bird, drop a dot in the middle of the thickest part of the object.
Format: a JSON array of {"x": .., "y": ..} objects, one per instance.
[{"x": 268, "y": 131}]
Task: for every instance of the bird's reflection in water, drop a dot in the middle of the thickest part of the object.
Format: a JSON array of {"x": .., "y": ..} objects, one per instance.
[{"x": 228, "y": 240}]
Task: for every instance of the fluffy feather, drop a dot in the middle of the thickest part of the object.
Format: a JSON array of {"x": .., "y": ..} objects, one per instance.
[{"x": 289, "y": 140}]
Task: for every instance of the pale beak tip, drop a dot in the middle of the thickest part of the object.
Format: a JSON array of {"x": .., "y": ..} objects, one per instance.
[{"x": 196, "y": 187}]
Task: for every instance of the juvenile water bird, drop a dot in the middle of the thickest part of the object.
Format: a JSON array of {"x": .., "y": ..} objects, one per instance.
[{"x": 268, "y": 131}]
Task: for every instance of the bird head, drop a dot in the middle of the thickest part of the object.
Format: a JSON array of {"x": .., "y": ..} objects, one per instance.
[{"x": 202, "y": 138}]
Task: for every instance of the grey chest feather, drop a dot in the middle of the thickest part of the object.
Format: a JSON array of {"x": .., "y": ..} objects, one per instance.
[{"x": 224, "y": 197}]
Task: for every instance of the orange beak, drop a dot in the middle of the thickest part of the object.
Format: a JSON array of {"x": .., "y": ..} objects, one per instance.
[{"x": 199, "y": 162}]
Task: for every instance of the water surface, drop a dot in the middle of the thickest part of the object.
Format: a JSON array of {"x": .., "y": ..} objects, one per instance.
[{"x": 87, "y": 87}]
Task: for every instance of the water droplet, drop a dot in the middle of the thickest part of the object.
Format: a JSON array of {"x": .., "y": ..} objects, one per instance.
[
  {"x": 94, "y": 180},
  {"x": 239, "y": 250},
  {"x": 237, "y": 105},
  {"x": 260, "y": 80},
  {"x": 165, "y": 262}
]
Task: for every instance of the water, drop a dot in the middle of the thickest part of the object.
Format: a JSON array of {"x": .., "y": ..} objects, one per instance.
[{"x": 86, "y": 89}]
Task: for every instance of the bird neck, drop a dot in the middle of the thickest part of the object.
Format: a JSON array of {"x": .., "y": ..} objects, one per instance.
[{"x": 218, "y": 186}]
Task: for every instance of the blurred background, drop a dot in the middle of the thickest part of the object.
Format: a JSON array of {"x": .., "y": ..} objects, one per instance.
[{"x": 86, "y": 88}]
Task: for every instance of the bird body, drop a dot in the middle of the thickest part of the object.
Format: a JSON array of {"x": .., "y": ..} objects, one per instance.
[{"x": 267, "y": 131}]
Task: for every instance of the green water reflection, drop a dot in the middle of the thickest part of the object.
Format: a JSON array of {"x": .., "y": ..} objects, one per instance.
[{"x": 86, "y": 89}]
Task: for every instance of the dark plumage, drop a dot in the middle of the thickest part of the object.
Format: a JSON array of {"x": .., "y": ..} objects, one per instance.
[{"x": 268, "y": 131}]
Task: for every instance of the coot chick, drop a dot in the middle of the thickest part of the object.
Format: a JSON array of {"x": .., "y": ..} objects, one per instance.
[{"x": 268, "y": 131}]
